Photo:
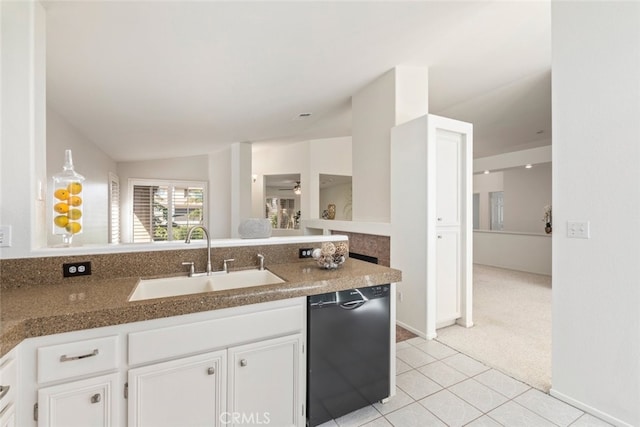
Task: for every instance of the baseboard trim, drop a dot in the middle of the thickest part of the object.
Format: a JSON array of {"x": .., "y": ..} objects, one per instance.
[
  {"x": 412, "y": 329},
  {"x": 589, "y": 409}
]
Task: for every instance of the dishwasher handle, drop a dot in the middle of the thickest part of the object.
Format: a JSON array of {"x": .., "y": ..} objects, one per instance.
[{"x": 352, "y": 305}]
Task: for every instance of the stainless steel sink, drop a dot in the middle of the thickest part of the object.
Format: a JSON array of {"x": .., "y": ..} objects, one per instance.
[{"x": 218, "y": 281}]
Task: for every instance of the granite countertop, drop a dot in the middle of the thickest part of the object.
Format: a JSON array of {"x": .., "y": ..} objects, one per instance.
[{"x": 33, "y": 311}]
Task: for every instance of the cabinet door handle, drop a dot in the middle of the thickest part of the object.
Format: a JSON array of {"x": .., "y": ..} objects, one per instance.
[
  {"x": 4, "y": 389},
  {"x": 243, "y": 362},
  {"x": 211, "y": 371},
  {"x": 439, "y": 219},
  {"x": 439, "y": 236},
  {"x": 96, "y": 398},
  {"x": 65, "y": 358}
]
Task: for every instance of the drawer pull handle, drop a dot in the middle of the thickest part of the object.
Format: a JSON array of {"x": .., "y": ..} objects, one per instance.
[
  {"x": 211, "y": 371},
  {"x": 96, "y": 398},
  {"x": 243, "y": 362},
  {"x": 4, "y": 389},
  {"x": 65, "y": 358},
  {"x": 439, "y": 219}
]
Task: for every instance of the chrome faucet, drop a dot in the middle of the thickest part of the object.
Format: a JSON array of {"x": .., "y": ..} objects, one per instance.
[
  {"x": 206, "y": 233},
  {"x": 225, "y": 266},
  {"x": 261, "y": 258}
]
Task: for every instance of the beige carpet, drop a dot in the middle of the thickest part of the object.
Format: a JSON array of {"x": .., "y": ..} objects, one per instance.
[{"x": 512, "y": 324}]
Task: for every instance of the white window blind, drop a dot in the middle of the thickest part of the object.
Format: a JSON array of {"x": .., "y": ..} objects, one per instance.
[
  {"x": 165, "y": 210},
  {"x": 114, "y": 209}
]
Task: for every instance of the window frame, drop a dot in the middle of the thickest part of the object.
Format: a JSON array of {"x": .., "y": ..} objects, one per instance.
[
  {"x": 115, "y": 205},
  {"x": 171, "y": 184}
]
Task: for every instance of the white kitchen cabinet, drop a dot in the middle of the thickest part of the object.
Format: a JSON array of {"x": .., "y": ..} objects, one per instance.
[
  {"x": 66, "y": 396},
  {"x": 184, "y": 392},
  {"x": 8, "y": 386},
  {"x": 84, "y": 403},
  {"x": 8, "y": 416},
  {"x": 170, "y": 371},
  {"x": 447, "y": 276},
  {"x": 431, "y": 197},
  {"x": 265, "y": 381},
  {"x": 260, "y": 384},
  {"x": 447, "y": 178}
]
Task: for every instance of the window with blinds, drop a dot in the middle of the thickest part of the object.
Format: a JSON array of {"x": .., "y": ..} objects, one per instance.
[
  {"x": 165, "y": 210},
  {"x": 114, "y": 209}
]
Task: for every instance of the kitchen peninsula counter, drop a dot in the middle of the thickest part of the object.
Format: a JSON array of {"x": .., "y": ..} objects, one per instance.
[{"x": 33, "y": 311}]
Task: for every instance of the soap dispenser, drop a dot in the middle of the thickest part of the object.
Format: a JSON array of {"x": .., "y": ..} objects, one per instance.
[{"x": 67, "y": 201}]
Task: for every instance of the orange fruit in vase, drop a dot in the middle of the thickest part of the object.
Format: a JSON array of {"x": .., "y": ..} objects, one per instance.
[
  {"x": 74, "y": 188},
  {"x": 61, "y": 207},
  {"x": 75, "y": 200},
  {"x": 61, "y": 194},
  {"x": 75, "y": 213},
  {"x": 73, "y": 227},
  {"x": 61, "y": 220}
]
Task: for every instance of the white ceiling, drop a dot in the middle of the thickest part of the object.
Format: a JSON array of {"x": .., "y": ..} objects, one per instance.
[{"x": 158, "y": 79}]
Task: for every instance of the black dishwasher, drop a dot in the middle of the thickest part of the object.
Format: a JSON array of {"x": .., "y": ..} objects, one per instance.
[{"x": 348, "y": 351}]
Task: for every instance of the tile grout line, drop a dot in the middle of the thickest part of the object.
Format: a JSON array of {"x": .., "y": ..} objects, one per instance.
[{"x": 509, "y": 399}]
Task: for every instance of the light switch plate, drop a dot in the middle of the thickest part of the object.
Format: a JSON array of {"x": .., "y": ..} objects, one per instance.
[
  {"x": 5, "y": 236},
  {"x": 578, "y": 229}
]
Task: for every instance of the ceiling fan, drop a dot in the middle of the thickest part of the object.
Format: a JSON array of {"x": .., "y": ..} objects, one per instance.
[{"x": 296, "y": 188}]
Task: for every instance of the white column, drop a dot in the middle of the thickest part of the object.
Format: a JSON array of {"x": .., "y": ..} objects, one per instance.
[
  {"x": 398, "y": 96},
  {"x": 22, "y": 149}
]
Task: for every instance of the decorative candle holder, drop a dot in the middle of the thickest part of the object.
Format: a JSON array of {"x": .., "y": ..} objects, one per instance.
[{"x": 67, "y": 201}]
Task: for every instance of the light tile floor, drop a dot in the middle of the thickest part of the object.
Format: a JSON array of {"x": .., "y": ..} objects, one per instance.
[{"x": 438, "y": 386}]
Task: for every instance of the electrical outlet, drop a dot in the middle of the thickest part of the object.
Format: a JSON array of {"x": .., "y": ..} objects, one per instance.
[
  {"x": 73, "y": 269},
  {"x": 5, "y": 236},
  {"x": 578, "y": 229},
  {"x": 305, "y": 252}
]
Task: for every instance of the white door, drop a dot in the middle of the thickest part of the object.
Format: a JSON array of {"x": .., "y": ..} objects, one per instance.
[
  {"x": 447, "y": 277},
  {"x": 448, "y": 183},
  {"x": 184, "y": 392},
  {"x": 84, "y": 403},
  {"x": 266, "y": 383}
]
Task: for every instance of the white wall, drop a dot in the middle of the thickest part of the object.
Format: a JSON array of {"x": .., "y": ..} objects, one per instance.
[
  {"x": 240, "y": 185},
  {"x": 219, "y": 173},
  {"x": 22, "y": 149},
  {"x": 515, "y": 251},
  {"x": 483, "y": 185},
  {"x": 90, "y": 162},
  {"x": 526, "y": 193},
  {"x": 396, "y": 97},
  {"x": 596, "y": 153},
  {"x": 193, "y": 168},
  {"x": 410, "y": 246},
  {"x": 514, "y": 158}
]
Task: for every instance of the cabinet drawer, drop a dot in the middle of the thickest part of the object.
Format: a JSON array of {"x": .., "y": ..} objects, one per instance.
[
  {"x": 176, "y": 341},
  {"x": 8, "y": 383},
  {"x": 64, "y": 361}
]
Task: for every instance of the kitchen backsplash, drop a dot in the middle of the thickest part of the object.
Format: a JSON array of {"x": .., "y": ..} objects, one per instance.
[{"x": 48, "y": 270}]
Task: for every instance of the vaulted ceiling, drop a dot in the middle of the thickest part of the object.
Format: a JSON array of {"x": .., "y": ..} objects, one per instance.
[{"x": 158, "y": 79}]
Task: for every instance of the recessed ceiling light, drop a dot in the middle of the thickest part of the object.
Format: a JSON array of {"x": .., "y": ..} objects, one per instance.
[
  {"x": 486, "y": 172},
  {"x": 528, "y": 166}
]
